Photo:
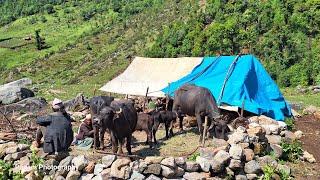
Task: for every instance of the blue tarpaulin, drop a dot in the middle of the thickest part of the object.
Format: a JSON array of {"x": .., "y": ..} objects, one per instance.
[{"x": 233, "y": 81}]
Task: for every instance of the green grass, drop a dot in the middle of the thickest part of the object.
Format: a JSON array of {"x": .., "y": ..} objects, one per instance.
[{"x": 305, "y": 99}]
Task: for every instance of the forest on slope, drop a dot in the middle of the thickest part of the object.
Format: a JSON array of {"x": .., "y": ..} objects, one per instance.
[{"x": 88, "y": 42}]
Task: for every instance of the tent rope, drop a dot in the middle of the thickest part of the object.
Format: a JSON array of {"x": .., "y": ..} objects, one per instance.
[{"x": 229, "y": 72}]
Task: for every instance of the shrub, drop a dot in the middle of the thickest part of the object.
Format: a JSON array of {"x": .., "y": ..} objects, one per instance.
[
  {"x": 290, "y": 123},
  {"x": 7, "y": 173},
  {"x": 268, "y": 172},
  {"x": 193, "y": 156},
  {"x": 291, "y": 151},
  {"x": 49, "y": 8}
]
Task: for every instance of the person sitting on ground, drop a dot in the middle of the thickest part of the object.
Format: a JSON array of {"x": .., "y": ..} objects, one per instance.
[
  {"x": 84, "y": 138},
  {"x": 58, "y": 133}
]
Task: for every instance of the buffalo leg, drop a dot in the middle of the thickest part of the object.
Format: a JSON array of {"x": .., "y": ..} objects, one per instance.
[
  {"x": 114, "y": 142},
  {"x": 200, "y": 127},
  {"x": 167, "y": 129},
  {"x": 171, "y": 128},
  {"x": 129, "y": 144},
  {"x": 102, "y": 131},
  {"x": 96, "y": 137},
  {"x": 149, "y": 139},
  {"x": 180, "y": 122},
  {"x": 120, "y": 146},
  {"x": 154, "y": 131}
]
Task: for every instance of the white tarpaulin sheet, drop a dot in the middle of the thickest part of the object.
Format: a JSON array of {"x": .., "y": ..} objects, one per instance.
[{"x": 154, "y": 73}]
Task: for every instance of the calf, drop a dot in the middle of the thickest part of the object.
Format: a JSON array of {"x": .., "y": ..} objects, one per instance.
[
  {"x": 145, "y": 123},
  {"x": 166, "y": 117}
]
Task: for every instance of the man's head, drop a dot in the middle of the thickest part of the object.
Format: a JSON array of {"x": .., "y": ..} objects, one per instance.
[
  {"x": 88, "y": 119},
  {"x": 57, "y": 105}
]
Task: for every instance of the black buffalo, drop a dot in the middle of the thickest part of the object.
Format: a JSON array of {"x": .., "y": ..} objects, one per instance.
[
  {"x": 199, "y": 102},
  {"x": 145, "y": 123},
  {"x": 165, "y": 117},
  {"x": 121, "y": 119}
]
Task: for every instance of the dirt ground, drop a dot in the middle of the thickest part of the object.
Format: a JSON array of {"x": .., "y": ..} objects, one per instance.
[{"x": 310, "y": 126}]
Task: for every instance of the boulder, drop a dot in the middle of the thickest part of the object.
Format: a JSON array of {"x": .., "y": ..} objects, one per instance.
[
  {"x": 310, "y": 110},
  {"x": 216, "y": 166},
  {"x": 195, "y": 175},
  {"x": 153, "y": 169},
  {"x": 238, "y": 137},
  {"x": 86, "y": 176},
  {"x": 241, "y": 177},
  {"x": 180, "y": 161},
  {"x": 63, "y": 170},
  {"x": 106, "y": 173},
  {"x": 137, "y": 176},
  {"x": 179, "y": 172},
  {"x": 290, "y": 136},
  {"x": 235, "y": 164},
  {"x": 308, "y": 157},
  {"x": 32, "y": 176},
  {"x": 222, "y": 157},
  {"x": 248, "y": 154},
  {"x": 267, "y": 160},
  {"x": 22, "y": 147},
  {"x": 298, "y": 134},
  {"x": 264, "y": 120},
  {"x": 18, "y": 155},
  {"x": 153, "y": 177},
  {"x": 120, "y": 168},
  {"x": 274, "y": 139},
  {"x": 229, "y": 172},
  {"x": 11, "y": 150},
  {"x": 252, "y": 167},
  {"x": 277, "y": 149},
  {"x": 153, "y": 159},
  {"x": 98, "y": 168},
  {"x": 252, "y": 176},
  {"x": 256, "y": 131},
  {"x": 236, "y": 151},
  {"x": 204, "y": 163},
  {"x": 167, "y": 172},
  {"x": 169, "y": 162},
  {"x": 244, "y": 145},
  {"x": 192, "y": 166},
  {"x": 73, "y": 175},
  {"x": 80, "y": 162},
  {"x": 108, "y": 160}
]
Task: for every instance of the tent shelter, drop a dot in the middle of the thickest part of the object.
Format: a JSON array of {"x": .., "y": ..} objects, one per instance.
[
  {"x": 232, "y": 80},
  {"x": 154, "y": 73}
]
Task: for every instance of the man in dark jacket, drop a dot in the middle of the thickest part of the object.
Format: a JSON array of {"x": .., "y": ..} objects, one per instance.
[{"x": 59, "y": 135}]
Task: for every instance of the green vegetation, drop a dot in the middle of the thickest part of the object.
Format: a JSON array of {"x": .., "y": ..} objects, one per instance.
[
  {"x": 291, "y": 151},
  {"x": 270, "y": 171},
  {"x": 290, "y": 123},
  {"x": 88, "y": 42},
  {"x": 193, "y": 156},
  {"x": 7, "y": 173}
]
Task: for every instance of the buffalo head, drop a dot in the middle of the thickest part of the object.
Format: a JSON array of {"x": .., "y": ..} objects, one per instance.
[{"x": 106, "y": 117}]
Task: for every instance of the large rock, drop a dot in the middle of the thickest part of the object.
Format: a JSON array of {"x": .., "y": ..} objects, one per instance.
[
  {"x": 89, "y": 169},
  {"x": 108, "y": 160},
  {"x": 153, "y": 169},
  {"x": 236, "y": 151},
  {"x": 298, "y": 134},
  {"x": 264, "y": 120},
  {"x": 249, "y": 154},
  {"x": 277, "y": 149},
  {"x": 153, "y": 159},
  {"x": 153, "y": 177},
  {"x": 204, "y": 164},
  {"x": 310, "y": 110},
  {"x": 217, "y": 143},
  {"x": 120, "y": 168},
  {"x": 288, "y": 135},
  {"x": 73, "y": 175},
  {"x": 167, "y": 172},
  {"x": 267, "y": 160},
  {"x": 256, "y": 131},
  {"x": 170, "y": 162},
  {"x": 235, "y": 164},
  {"x": 105, "y": 174},
  {"x": 18, "y": 155},
  {"x": 274, "y": 139},
  {"x": 32, "y": 176},
  {"x": 11, "y": 150},
  {"x": 238, "y": 137},
  {"x": 22, "y": 147},
  {"x": 241, "y": 177},
  {"x": 308, "y": 157},
  {"x": 179, "y": 172},
  {"x": 283, "y": 168},
  {"x": 11, "y": 92},
  {"x": 64, "y": 164},
  {"x": 180, "y": 161},
  {"x": 216, "y": 166},
  {"x": 98, "y": 168},
  {"x": 252, "y": 176},
  {"x": 192, "y": 166},
  {"x": 86, "y": 176},
  {"x": 137, "y": 176},
  {"x": 195, "y": 176},
  {"x": 252, "y": 167},
  {"x": 80, "y": 162},
  {"x": 222, "y": 157}
]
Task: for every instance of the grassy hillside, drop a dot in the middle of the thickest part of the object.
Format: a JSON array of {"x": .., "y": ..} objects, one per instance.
[{"x": 89, "y": 42}]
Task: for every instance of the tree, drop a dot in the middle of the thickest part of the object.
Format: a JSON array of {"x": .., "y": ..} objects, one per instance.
[{"x": 39, "y": 40}]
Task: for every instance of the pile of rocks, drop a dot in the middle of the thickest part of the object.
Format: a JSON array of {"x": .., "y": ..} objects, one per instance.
[{"x": 241, "y": 157}]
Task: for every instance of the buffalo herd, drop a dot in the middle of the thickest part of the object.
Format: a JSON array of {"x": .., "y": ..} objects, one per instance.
[{"x": 120, "y": 118}]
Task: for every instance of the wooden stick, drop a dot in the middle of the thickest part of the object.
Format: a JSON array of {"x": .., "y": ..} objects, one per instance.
[
  {"x": 204, "y": 131},
  {"x": 121, "y": 155},
  {"x": 145, "y": 99}
]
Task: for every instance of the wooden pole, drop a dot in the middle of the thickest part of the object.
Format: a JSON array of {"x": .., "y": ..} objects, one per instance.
[
  {"x": 145, "y": 99},
  {"x": 14, "y": 131},
  {"x": 204, "y": 131}
]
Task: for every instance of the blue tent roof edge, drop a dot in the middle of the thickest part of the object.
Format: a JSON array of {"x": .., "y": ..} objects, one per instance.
[{"x": 245, "y": 80}]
